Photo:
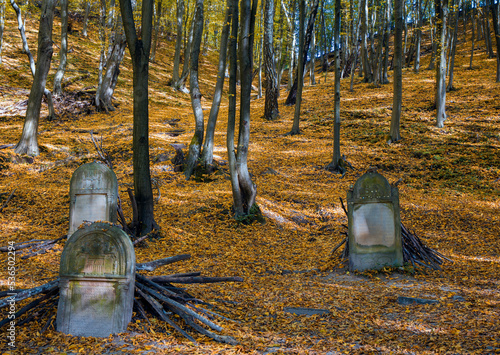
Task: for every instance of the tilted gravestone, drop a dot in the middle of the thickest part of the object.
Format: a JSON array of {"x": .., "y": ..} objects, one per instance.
[
  {"x": 374, "y": 224},
  {"x": 93, "y": 192},
  {"x": 97, "y": 275}
]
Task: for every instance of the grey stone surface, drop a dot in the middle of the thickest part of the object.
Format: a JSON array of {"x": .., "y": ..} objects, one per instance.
[
  {"x": 305, "y": 311},
  {"x": 374, "y": 224},
  {"x": 413, "y": 300},
  {"x": 97, "y": 274},
  {"x": 93, "y": 195}
]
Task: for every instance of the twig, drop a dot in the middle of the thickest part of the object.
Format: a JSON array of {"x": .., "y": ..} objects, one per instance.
[
  {"x": 195, "y": 279},
  {"x": 7, "y": 201},
  {"x": 30, "y": 293},
  {"x": 152, "y": 265}
]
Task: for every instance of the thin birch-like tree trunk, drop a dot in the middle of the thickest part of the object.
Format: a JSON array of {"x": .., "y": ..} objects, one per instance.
[
  {"x": 194, "y": 89},
  {"x": 208, "y": 145},
  {"x": 28, "y": 143},
  {"x": 441, "y": 9},
  {"x": 2, "y": 25},
  {"x": 300, "y": 70},
  {"x": 178, "y": 42},
  {"x": 87, "y": 4},
  {"x": 20, "y": 26},
  {"x": 63, "y": 52}
]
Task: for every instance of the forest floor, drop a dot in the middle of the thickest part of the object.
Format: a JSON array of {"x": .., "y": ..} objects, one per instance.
[{"x": 449, "y": 196}]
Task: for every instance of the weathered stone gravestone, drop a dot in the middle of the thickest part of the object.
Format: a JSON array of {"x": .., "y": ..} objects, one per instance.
[
  {"x": 97, "y": 276},
  {"x": 374, "y": 224},
  {"x": 93, "y": 192}
]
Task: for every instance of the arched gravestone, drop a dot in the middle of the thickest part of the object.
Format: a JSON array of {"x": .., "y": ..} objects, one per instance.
[
  {"x": 97, "y": 275},
  {"x": 93, "y": 192},
  {"x": 374, "y": 224}
]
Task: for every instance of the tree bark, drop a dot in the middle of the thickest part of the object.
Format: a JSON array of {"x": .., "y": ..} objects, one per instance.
[
  {"x": 63, "y": 53},
  {"x": 416, "y": 67},
  {"x": 113, "y": 62},
  {"x": 364, "y": 42},
  {"x": 441, "y": 9},
  {"x": 139, "y": 52},
  {"x": 472, "y": 39},
  {"x": 271, "y": 110},
  {"x": 208, "y": 145},
  {"x": 87, "y": 6},
  {"x": 496, "y": 29},
  {"x": 20, "y": 26},
  {"x": 398, "y": 72},
  {"x": 28, "y": 144},
  {"x": 290, "y": 100},
  {"x": 197, "y": 141},
  {"x": 336, "y": 163},
  {"x": 2, "y": 26},
  {"x": 158, "y": 15},
  {"x": 178, "y": 42},
  {"x": 300, "y": 71},
  {"x": 453, "y": 49}
]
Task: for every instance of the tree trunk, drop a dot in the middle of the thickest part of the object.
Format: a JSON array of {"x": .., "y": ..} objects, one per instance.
[
  {"x": 441, "y": 8},
  {"x": 312, "y": 62},
  {"x": 157, "y": 29},
  {"x": 472, "y": 39},
  {"x": 290, "y": 100},
  {"x": 102, "y": 57},
  {"x": 244, "y": 190},
  {"x": 178, "y": 42},
  {"x": 197, "y": 141},
  {"x": 87, "y": 6},
  {"x": 453, "y": 50},
  {"x": 416, "y": 68},
  {"x": 180, "y": 85},
  {"x": 271, "y": 110},
  {"x": 139, "y": 52},
  {"x": 292, "y": 65},
  {"x": 387, "y": 31},
  {"x": 208, "y": 145},
  {"x": 2, "y": 26},
  {"x": 113, "y": 62},
  {"x": 20, "y": 26},
  {"x": 300, "y": 70},
  {"x": 434, "y": 46},
  {"x": 364, "y": 42},
  {"x": 496, "y": 29},
  {"x": 336, "y": 163},
  {"x": 487, "y": 37},
  {"x": 28, "y": 144},
  {"x": 63, "y": 53},
  {"x": 261, "y": 50},
  {"x": 398, "y": 72}
]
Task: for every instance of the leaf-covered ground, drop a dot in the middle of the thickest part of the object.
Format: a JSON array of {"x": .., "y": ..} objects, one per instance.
[{"x": 449, "y": 196}]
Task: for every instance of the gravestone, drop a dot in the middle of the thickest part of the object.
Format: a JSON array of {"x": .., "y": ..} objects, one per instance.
[
  {"x": 374, "y": 224},
  {"x": 97, "y": 275},
  {"x": 93, "y": 195}
]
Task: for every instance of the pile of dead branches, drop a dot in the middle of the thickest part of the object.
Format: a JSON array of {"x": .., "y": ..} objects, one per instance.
[
  {"x": 415, "y": 252},
  {"x": 156, "y": 296}
]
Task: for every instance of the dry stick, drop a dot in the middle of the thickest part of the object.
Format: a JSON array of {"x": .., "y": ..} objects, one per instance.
[
  {"x": 21, "y": 245},
  {"x": 195, "y": 279},
  {"x": 206, "y": 311},
  {"x": 152, "y": 265},
  {"x": 135, "y": 213},
  {"x": 140, "y": 308},
  {"x": 141, "y": 279},
  {"x": 43, "y": 248},
  {"x": 29, "y": 306},
  {"x": 161, "y": 313},
  {"x": 47, "y": 325},
  {"x": 30, "y": 293},
  {"x": 339, "y": 245},
  {"x": 7, "y": 201},
  {"x": 220, "y": 338},
  {"x": 180, "y": 308},
  {"x": 185, "y": 274}
]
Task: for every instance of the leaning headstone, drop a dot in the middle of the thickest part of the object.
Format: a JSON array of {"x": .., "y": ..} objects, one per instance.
[
  {"x": 374, "y": 224},
  {"x": 97, "y": 275},
  {"x": 93, "y": 195}
]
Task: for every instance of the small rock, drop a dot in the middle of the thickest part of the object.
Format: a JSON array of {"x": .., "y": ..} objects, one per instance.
[
  {"x": 458, "y": 298},
  {"x": 412, "y": 300},
  {"x": 305, "y": 311}
]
